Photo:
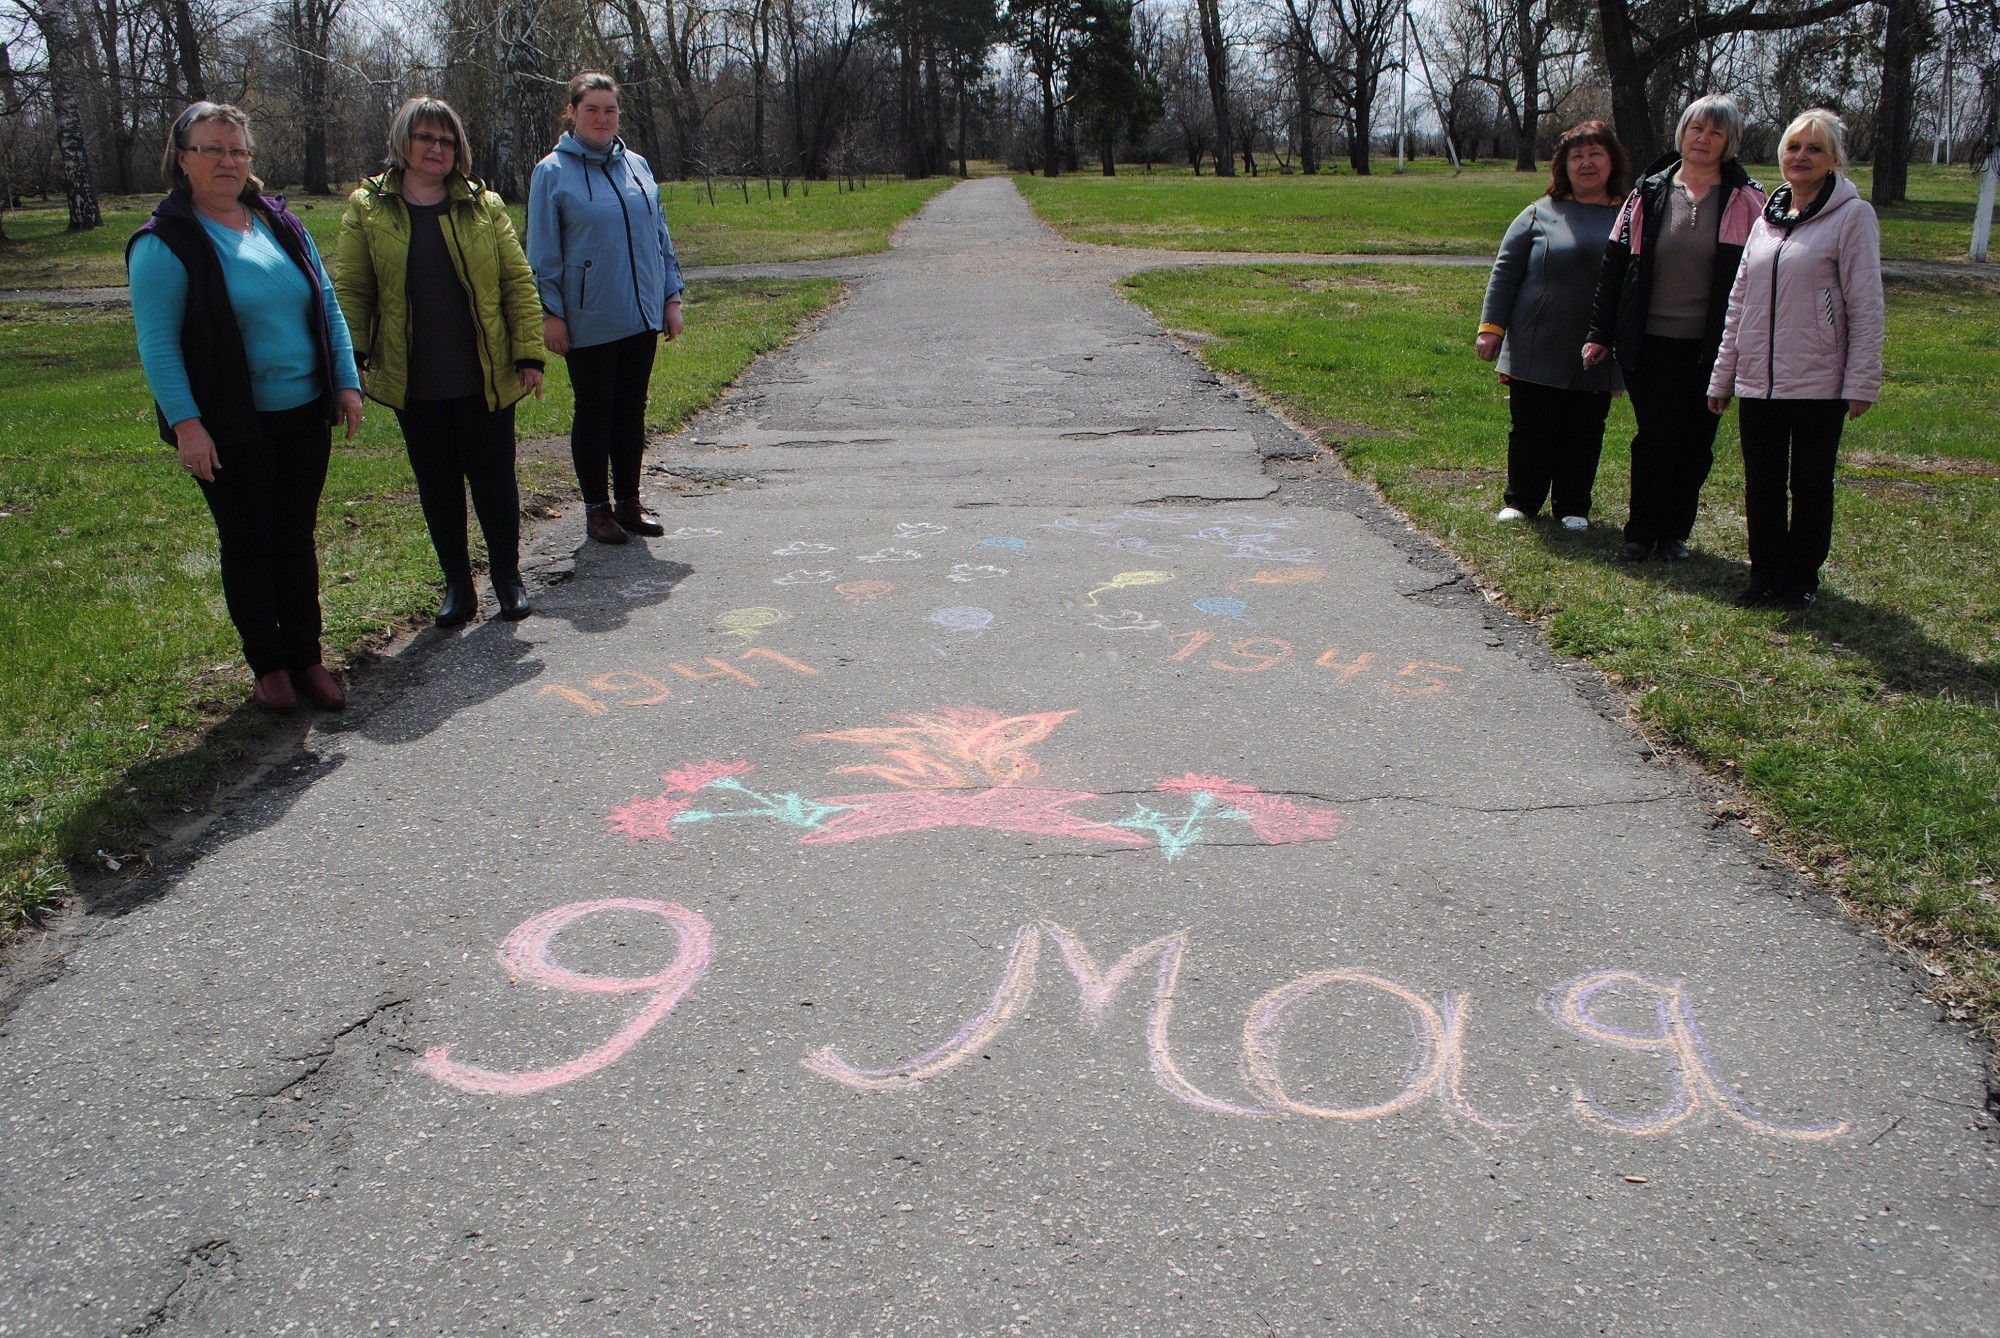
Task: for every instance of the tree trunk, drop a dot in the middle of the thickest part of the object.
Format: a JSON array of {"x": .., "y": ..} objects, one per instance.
[
  {"x": 1530, "y": 56},
  {"x": 1216, "y": 50},
  {"x": 1303, "y": 111},
  {"x": 1631, "y": 108},
  {"x": 1051, "y": 163},
  {"x": 1359, "y": 146},
  {"x": 53, "y": 19},
  {"x": 187, "y": 49},
  {"x": 1902, "y": 38}
]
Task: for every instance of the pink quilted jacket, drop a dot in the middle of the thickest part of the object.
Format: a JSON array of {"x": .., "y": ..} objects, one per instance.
[{"x": 1805, "y": 314}]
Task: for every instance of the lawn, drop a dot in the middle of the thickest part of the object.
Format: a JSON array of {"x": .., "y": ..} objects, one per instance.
[
  {"x": 1424, "y": 211},
  {"x": 122, "y": 688},
  {"x": 1867, "y": 731},
  {"x": 831, "y": 221}
]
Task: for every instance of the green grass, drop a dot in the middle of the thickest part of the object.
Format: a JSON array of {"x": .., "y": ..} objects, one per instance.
[
  {"x": 1868, "y": 730},
  {"x": 122, "y": 687},
  {"x": 1424, "y": 211},
  {"x": 832, "y": 221}
]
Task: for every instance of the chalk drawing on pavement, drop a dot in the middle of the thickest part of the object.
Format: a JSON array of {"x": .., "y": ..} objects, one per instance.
[
  {"x": 1126, "y": 580},
  {"x": 744, "y": 624},
  {"x": 800, "y": 548},
  {"x": 1125, "y": 620},
  {"x": 1220, "y": 606},
  {"x": 528, "y": 955},
  {"x": 1006, "y": 541},
  {"x": 858, "y": 593},
  {"x": 963, "y": 572},
  {"x": 803, "y": 577},
  {"x": 890, "y": 555},
  {"x": 963, "y": 618},
  {"x": 1290, "y": 576},
  {"x": 919, "y": 529}
]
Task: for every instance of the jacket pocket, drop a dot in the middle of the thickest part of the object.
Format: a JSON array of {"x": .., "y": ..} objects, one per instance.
[{"x": 576, "y": 287}]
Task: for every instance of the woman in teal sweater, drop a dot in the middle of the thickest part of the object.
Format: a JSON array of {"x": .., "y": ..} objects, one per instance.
[{"x": 250, "y": 364}]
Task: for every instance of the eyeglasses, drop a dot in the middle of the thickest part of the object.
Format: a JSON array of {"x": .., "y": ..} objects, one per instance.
[
  {"x": 215, "y": 153},
  {"x": 445, "y": 142}
]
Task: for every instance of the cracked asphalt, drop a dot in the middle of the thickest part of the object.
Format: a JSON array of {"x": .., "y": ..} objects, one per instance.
[{"x": 1033, "y": 849}]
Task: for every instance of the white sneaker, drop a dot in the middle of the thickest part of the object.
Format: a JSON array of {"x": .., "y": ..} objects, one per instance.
[
  {"x": 1508, "y": 513},
  {"x": 1575, "y": 523}
]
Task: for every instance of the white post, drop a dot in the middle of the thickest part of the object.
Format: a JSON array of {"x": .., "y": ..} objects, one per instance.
[
  {"x": 1982, "y": 218},
  {"x": 1403, "y": 93}
]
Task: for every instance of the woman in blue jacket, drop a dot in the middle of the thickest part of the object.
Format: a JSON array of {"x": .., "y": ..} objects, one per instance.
[{"x": 610, "y": 286}]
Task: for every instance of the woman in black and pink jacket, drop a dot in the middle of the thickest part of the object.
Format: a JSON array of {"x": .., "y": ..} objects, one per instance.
[
  {"x": 1662, "y": 291},
  {"x": 1802, "y": 348}
]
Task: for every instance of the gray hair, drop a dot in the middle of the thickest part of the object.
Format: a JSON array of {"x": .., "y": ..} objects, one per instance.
[
  {"x": 1825, "y": 126},
  {"x": 196, "y": 113},
  {"x": 1719, "y": 111},
  {"x": 421, "y": 110}
]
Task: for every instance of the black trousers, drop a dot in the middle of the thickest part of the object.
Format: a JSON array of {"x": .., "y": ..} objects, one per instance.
[
  {"x": 1674, "y": 447},
  {"x": 265, "y": 500},
  {"x": 455, "y": 444},
  {"x": 1553, "y": 447},
  {"x": 610, "y": 383},
  {"x": 1789, "y": 447}
]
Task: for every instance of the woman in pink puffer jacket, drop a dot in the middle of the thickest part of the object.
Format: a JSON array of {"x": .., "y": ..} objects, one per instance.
[{"x": 1802, "y": 347}]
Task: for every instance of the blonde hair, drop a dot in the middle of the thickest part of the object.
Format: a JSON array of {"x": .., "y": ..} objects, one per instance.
[
  {"x": 170, "y": 159},
  {"x": 437, "y": 112},
  {"x": 1824, "y": 126}
]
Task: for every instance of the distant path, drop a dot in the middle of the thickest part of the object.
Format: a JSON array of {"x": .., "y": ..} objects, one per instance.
[
  {"x": 1031, "y": 850},
  {"x": 1116, "y": 259}
]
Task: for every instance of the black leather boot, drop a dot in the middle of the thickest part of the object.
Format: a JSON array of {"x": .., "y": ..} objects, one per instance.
[
  {"x": 460, "y": 603},
  {"x": 513, "y": 597}
]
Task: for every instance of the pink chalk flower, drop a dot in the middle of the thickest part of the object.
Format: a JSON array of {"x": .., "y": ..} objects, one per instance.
[
  {"x": 1276, "y": 819},
  {"x": 649, "y": 819},
  {"x": 695, "y": 775}
]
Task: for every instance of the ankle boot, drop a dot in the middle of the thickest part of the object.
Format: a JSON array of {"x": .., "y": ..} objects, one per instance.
[
  {"x": 513, "y": 597},
  {"x": 460, "y": 603},
  {"x": 637, "y": 519},
  {"x": 602, "y": 526}
]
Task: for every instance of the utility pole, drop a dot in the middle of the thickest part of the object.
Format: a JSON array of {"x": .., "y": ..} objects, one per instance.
[{"x": 1403, "y": 93}]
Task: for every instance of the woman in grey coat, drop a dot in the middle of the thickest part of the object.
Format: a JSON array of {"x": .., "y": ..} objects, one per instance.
[{"x": 1537, "y": 310}]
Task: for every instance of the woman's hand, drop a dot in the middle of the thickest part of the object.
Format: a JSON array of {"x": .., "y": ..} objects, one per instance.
[
  {"x": 197, "y": 449},
  {"x": 1594, "y": 354},
  {"x": 1855, "y": 408},
  {"x": 1717, "y": 403},
  {"x": 1488, "y": 345},
  {"x": 673, "y": 315},
  {"x": 531, "y": 377},
  {"x": 348, "y": 403},
  {"x": 555, "y": 333}
]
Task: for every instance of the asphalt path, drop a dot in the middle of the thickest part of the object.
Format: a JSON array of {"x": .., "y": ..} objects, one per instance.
[{"x": 1029, "y": 850}]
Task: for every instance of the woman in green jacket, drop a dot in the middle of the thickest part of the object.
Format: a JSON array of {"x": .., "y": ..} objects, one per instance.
[{"x": 448, "y": 331}]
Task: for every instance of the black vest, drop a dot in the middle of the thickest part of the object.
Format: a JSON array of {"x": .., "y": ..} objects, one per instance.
[{"x": 218, "y": 369}]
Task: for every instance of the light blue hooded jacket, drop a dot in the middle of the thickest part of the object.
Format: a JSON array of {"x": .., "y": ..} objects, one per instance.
[{"x": 597, "y": 239}]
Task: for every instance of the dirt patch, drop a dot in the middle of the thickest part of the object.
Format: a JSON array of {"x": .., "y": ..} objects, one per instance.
[
  {"x": 1921, "y": 466},
  {"x": 1454, "y": 478},
  {"x": 1903, "y": 489},
  {"x": 1367, "y": 281}
]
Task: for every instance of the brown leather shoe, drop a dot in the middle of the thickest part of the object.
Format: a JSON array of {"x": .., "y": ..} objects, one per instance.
[
  {"x": 603, "y": 526},
  {"x": 318, "y": 685},
  {"x": 274, "y": 691},
  {"x": 637, "y": 519}
]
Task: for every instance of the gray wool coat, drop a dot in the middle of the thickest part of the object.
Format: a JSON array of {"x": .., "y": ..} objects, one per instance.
[{"x": 1543, "y": 283}]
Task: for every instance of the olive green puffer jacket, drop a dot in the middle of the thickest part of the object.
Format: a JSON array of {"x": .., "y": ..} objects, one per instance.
[{"x": 374, "y": 253}]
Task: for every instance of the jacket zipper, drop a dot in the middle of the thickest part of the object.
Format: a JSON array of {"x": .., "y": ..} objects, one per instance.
[
  {"x": 1771, "y": 337},
  {"x": 478, "y": 332},
  {"x": 631, "y": 252}
]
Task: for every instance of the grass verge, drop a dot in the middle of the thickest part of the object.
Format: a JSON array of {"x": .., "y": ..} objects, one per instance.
[
  {"x": 122, "y": 688},
  {"x": 40, "y": 252},
  {"x": 1867, "y": 731},
  {"x": 1425, "y": 211}
]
